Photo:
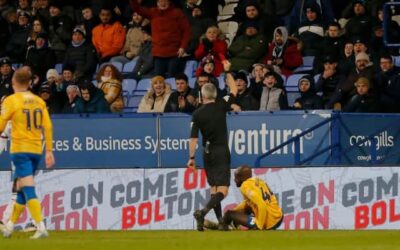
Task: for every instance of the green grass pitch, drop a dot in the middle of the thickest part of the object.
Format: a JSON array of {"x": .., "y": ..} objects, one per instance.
[{"x": 208, "y": 240}]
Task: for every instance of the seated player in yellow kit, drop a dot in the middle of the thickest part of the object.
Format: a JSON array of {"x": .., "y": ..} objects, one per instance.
[
  {"x": 259, "y": 209},
  {"x": 30, "y": 121}
]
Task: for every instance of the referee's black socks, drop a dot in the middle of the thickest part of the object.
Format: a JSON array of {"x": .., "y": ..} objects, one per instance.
[{"x": 215, "y": 203}]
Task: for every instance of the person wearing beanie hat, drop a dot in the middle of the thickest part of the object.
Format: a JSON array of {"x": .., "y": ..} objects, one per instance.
[
  {"x": 5, "y": 60},
  {"x": 309, "y": 100},
  {"x": 244, "y": 99},
  {"x": 363, "y": 101},
  {"x": 80, "y": 29},
  {"x": 247, "y": 48},
  {"x": 6, "y": 73},
  {"x": 360, "y": 24},
  {"x": 362, "y": 56},
  {"x": 346, "y": 89},
  {"x": 52, "y": 75},
  {"x": 59, "y": 26},
  {"x": 23, "y": 18},
  {"x": 81, "y": 54},
  {"x": 311, "y": 30},
  {"x": 273, "y": 97},
  {"x": 40, "y": 57},
  {"x": 156, "y": 98}
]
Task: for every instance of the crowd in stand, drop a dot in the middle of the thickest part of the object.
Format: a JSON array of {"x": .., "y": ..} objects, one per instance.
[{"x": 352, "y": 71}]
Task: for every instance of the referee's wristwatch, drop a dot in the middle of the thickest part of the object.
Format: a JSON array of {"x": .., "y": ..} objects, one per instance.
[{"x": 191, "y": 157}]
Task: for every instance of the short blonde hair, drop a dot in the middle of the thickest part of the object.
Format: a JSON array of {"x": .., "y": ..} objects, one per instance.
[
  {"x": 22, "y": 77},
  {"x": 362, "y": 81}
]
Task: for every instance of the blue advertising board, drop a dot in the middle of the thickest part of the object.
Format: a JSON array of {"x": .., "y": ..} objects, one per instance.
[
  {"x": 102, "y": 141},
  {"x": 151, "y": 141},
  {"x": 249, "y": 135},
  {"x": 355, "y": 130}
]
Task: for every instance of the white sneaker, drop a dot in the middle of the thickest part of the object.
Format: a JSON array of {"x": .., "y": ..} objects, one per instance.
[
  {"x": 6, "y": 231},
  {"x": 39, "y": 234},
  {"x": 30, "y": 227}
]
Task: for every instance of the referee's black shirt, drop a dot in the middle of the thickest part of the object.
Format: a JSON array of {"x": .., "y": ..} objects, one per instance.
[{"x": 210, "y": 119}]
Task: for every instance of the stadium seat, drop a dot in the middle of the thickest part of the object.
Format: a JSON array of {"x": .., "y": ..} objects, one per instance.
[
  {"x": 396, "y": 61},
  {"x": 228, "y": 9},
  {"x": 229, "y": 29},
  {"x": 171, "y": 82},
  {"x": 316, "y": 77},
  {"x": 190, "y": 68},
  {"x": 143, "y": 85},
  {"x": 15, "y": 65},
  {"x": 59, "y": 68},
  {"x": 118, "y": 65},
  {"x": 221, "y": 81},
  {"x": 129, "y": 66},
  {"x": 129, "y": 85},
  {"x": 134, "y": 101},
  {"x": 292, "y": 82},
  {"x": 292, "y": 96},
  {"x": 192, "y": 82},
  {"x": 308, "y": 62}
]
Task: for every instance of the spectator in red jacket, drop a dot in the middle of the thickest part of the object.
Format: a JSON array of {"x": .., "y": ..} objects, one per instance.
[
  {"x": 171, "y": 34},
  {"x": 283, "y": 52},
  {"x": 212, "y": 45}
]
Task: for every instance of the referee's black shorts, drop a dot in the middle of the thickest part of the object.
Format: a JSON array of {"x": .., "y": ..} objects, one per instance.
[{"x": 217, "y": 164}]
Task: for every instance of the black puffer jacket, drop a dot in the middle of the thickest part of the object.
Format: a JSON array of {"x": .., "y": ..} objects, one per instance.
[
  {"x": 83, "y": 58},
  {"x": 309, "y": 99}
]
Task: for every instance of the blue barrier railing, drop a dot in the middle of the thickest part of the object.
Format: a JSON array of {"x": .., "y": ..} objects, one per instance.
[
  {"x": 296, "y": 141},
  {"x": 335, "y": 149}
]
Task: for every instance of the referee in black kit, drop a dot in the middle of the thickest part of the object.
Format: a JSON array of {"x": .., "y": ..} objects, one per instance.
[{"x": 210, "y": 119}]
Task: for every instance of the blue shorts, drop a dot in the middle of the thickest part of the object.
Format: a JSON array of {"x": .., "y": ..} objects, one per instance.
[
  {"x": 25, "y": 164},
  {"x": 251, "y": 222}
]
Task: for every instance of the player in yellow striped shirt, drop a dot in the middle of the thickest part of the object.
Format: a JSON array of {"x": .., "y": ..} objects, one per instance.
[
  {"x": 259, "y": 209},
  {"x": 30, "y": 121}
]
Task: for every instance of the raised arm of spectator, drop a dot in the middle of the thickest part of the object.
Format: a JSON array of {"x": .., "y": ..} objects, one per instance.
[
  {"x": 135, "y": 5},
  {"x": 229, "y": 80}
]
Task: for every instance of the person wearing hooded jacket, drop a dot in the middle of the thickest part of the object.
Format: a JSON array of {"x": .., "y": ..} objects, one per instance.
[
  {"x": 40, "y": 57},
  {"x": 273, "y": 97},
  {"x": 91, "y": 101},
  {"x": 283, "y": 52},
  {"x": 311, "y": 30},
  {"x": 309, "y": 99}
]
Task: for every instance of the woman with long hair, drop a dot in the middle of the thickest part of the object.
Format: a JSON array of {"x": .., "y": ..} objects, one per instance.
[{"x": 109, "y": 80}]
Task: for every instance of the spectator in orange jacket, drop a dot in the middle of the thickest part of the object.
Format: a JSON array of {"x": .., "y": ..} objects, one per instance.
[
  {"x": 108, "y": 37},
  {"x": 171, "y": 34}
]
